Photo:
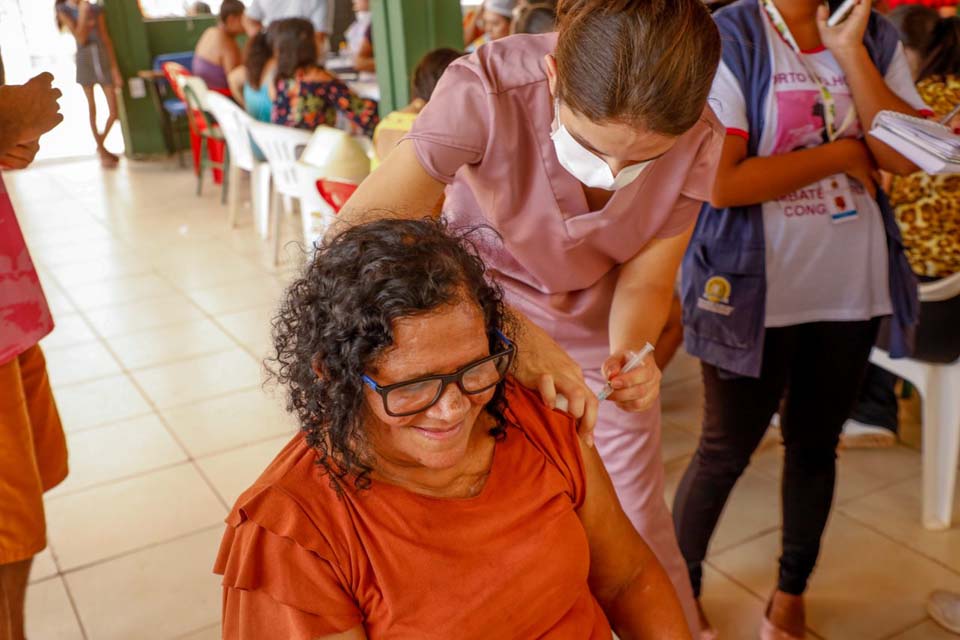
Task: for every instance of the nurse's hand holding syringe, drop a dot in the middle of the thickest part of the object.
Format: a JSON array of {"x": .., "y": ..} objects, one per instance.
[{"x": 634, "y": 361}]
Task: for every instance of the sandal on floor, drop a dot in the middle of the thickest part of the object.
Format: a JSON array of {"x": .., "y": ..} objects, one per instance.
[
  {"x": 707, "y": 632},
  {"x": 770, "y": 631}
]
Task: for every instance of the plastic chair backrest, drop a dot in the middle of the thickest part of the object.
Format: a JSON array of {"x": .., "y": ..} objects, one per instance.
[
  {"x": 282, "y": 147},
  {"x": 339, "y": 156},
  {"x": 183, "y": 58},
  {"x": 235, "y": 124},
  {"x": 175, "y": 72},
  {"x": 195, "y": 95},
  {"x": 335, "y": 192},
  {"x": 940, "y": 290},
  {"x": 197, "y": 86}
]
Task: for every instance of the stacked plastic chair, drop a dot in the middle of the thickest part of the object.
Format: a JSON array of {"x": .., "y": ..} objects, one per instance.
[{"x": 235, "y": 125}]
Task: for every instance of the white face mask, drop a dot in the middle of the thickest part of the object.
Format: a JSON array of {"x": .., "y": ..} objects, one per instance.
[{"x": 587, "y": 167}]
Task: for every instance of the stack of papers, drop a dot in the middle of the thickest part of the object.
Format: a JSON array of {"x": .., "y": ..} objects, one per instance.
[{"x": 928, "y": 144}]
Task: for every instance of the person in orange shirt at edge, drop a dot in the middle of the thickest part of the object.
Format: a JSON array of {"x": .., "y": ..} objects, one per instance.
[
  {"x": 33, "y": 450},
  {"x": 428, "y": 494}
]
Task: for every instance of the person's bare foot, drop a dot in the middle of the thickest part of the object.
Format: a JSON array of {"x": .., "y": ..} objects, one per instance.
[
  {"x": 787, "y": 613},
  {"x": 108, "y": 160},
  {"x": 707, "y": 632}
]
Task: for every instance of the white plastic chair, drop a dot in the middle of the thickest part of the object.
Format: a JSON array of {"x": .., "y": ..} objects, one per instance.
[
  {"x": 235, "y": 125},
  {"x": 281, "y": 146},
  {"x": 331, "y": 155},
  {"x": 939, "y": 387}
]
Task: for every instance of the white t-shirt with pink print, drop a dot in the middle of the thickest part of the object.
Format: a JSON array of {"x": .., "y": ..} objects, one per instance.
[{"x": 821, "y": 265}]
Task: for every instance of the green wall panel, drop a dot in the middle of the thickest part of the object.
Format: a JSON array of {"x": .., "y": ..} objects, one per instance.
[
  {"x": 138, "y": 42},
  {"x": 403, "y": 31}
]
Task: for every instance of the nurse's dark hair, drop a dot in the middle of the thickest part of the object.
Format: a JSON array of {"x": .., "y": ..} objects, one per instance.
[
  {"x": 648, "y": 63},
  {"x": 943, "y": 53},
  {"x": 337, "y": 318},
  {"x": 427, "y": 73},
  {"x": 293, "y": 44}
]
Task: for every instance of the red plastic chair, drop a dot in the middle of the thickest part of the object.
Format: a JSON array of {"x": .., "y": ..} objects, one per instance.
[
  {"x": 174, "y": 72},
  {"x": 336, "y": 193}
]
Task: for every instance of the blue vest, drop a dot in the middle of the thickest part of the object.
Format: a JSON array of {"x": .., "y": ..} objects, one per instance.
[{"x": 724, "y": 281}]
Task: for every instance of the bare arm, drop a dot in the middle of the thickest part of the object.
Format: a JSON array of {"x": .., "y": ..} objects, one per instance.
[
  {"x": 641, "y": 303},
  {"x": 625, "y": 577},
  {"x": 743, "y": 181},
  {"x": 364, "y": 60},
  {"x": 231, "y": 54},
  {"x": 235, "y": 80},
  {"x": 870, "y": 91},
  {"x": 80, "y": 28}
]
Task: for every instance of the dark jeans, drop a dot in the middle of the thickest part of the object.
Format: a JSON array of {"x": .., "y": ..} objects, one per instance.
[{"x": 816, "y": 369}]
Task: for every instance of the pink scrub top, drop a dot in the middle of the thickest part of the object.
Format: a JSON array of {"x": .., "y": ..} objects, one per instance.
[
  {"x": 24, "y": 316},
  {"x": 486, "y": 133}
]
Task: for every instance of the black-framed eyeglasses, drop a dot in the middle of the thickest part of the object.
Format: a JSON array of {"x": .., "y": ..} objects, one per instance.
[{"x": 414, "y": 396}]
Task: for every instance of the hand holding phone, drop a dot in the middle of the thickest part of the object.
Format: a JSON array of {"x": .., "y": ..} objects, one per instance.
[
  {"x": 841, "y": 13},
  {"x": 842, "y": 33}
]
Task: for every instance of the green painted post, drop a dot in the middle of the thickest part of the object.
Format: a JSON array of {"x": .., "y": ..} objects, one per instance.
[
  {"x": 137, "y": 43},
  {"x": 403, "y": 31}
]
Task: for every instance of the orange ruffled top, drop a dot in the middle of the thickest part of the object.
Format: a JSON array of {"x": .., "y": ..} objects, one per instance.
[{"x": 300, "y": 562}]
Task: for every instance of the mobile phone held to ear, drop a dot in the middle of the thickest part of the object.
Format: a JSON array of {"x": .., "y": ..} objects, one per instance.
[{"x": 841, "y": 13}]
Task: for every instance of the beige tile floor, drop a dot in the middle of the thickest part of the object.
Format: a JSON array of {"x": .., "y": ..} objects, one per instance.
[{"x": 162, "y": 322}]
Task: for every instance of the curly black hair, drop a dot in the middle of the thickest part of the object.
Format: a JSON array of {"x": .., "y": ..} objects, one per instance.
[{"x": 338, "y": 317}]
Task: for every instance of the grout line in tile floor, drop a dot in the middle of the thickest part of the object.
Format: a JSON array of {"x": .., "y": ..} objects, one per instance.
[
  {"x": 130, "y": 552},
  {"x": 883, "y": 487},
  {"x": 165, "y": 467},
  {"x": 900, "y": 543},
  {"x": 902, "y": 631},
  {"x": 751, "y": 538},
  {"x": 150, "y": 401},
  {"x": 73, "y": 605}
]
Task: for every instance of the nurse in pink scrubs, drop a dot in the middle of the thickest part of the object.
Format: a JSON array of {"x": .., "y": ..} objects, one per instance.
[{"x": 590, "y": 152}]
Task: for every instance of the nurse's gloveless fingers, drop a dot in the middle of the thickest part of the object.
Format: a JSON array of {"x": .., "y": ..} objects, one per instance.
[
  {"x": 571, "y": 388},
  {"x": 646, "y": 372},
  {"x": 646, "y": 401},
  {"x": 637, "y": 391},
  {"x": 548, "y": 391},
  {"x": 576, "y": 403},
  {"x": 589, "y": 417}
]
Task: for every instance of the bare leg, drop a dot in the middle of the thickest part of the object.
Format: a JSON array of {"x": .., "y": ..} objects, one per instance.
[
  {"x": 107, "y": 160},
  {"x": 110, "y": 92},
  {"x": 92, "y": 113},
  {"x": 13, "y": 591}
]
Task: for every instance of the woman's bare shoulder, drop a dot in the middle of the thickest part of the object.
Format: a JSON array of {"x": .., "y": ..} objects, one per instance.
[{"x": 318, "y": 74}]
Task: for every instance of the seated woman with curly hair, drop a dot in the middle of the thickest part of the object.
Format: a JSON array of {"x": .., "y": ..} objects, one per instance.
[{"x": 428, "y": 494}]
